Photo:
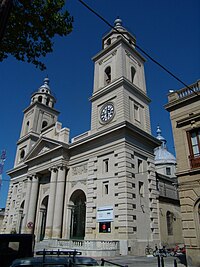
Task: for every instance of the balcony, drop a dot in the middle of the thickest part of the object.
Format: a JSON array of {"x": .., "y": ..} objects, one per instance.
[{"x": 195, "y": 161}]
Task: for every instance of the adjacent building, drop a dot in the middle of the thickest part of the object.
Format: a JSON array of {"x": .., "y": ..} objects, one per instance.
[
  {"x": 170, "y": 222},
  {"x": 183, "y": 106}
]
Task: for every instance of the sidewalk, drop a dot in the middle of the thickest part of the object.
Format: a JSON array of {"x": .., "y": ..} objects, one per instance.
[{"x": 136, "y": 261}]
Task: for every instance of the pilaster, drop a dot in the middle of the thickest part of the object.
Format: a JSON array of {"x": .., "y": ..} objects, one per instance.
[
  {"x": 26, "y": 204},
  {"x": 51, "y": 203},
  {"x": 32, "y": 203},
  {"x": 59, "y": 202}
]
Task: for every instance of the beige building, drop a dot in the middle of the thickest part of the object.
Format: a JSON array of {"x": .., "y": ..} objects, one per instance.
[
  {"x": 170, "y": 223},
  {"x": 2, "y": 212},
  {"x": 98, "y": 192},
  {"x": 183, "y": 106}
]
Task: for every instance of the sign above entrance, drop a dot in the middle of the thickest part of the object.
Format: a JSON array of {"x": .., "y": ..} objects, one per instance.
[{"x": 105, "y": 214}]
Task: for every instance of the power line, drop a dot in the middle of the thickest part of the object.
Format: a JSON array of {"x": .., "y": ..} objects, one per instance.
[{"x": 142, "y": 50}]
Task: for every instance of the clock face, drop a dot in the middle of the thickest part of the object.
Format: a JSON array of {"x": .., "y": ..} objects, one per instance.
[{"x": 107, "y": 112}]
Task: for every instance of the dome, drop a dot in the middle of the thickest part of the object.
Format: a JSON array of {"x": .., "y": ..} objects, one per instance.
[
  {"x": 45, "y": 87},
  {"x": 162, "y": 155}
]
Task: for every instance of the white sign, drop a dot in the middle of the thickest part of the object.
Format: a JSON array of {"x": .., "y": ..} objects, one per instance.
[{"x": 105, "y": 214}]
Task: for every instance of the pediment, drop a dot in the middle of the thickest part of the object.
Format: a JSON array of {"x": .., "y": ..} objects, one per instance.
[{"x": 41, "y": 147}]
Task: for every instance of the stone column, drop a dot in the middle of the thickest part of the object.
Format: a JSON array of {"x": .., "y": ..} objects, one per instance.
[
  {"x": 59, "y": 201},
  {"x": 51, "y": 203},
  {"x": 26, "y": 204},
  {"x": 32, "y": 203}
]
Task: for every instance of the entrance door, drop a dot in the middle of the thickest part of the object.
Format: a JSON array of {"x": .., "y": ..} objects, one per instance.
[{"x": 77, "y": 227}]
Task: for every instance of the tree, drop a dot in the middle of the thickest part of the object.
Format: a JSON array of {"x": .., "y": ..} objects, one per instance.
[{"x": 30, "y": 28}]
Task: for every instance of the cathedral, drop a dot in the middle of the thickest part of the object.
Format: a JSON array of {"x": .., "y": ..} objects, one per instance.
[{"x": 98, "y": 191}]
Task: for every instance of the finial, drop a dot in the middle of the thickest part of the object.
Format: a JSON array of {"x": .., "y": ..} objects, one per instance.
[
  {"x": 46, "y": 80},
  {"x": 118, "y": 22},
  {"x": 160, "y": 137},
  {"x": 158, "y": 130}
]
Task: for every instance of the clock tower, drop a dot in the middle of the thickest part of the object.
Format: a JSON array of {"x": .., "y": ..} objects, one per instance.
[
  {"x": 119, "y": 92},
  {"x": 38, "y": 116}
]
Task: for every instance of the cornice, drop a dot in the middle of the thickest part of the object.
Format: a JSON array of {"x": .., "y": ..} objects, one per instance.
[
  {"x": 120, "y": 126},
  {"x": 114, "y": 45},
  {"x": 115, "y": 85}
]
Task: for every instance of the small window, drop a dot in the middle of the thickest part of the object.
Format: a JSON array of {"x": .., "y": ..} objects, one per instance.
[
  {"x": 141, "y": 188},
  {"x": 40, "y": 99},
  {"x": 105, "y": 163},
  {"x": 133, "y": 71},
  {"x": 44, "y": 124},
  {"x": 27, "y": 127},
  {"x": 108, "y": 42},
  {"x": 137, "y": 112},
  {"x": 105, "y": 188},
  {"x": 47, "y": 101},
  {"x": 140, "y": 166},
  {"x": 22, "y": 154},
  {"x": 107, "y": 75},
  {"x": 168, "y": 171}
]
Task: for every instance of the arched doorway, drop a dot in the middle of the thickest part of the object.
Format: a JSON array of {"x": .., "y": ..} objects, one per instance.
[
  {"x": 43, "y": 216},
  {"x": 78, "y": 214}
]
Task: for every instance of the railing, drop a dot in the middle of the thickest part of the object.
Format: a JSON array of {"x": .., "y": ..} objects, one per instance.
[
  {"x": 184, "y": 92},
  {"x": 87, "y": 244},
  {"x": 194, "y": 162}
]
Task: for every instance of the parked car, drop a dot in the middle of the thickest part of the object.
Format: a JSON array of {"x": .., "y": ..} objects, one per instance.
[
  {"x": 57, "y": 258},
  {"x": 14, "y": 246}
]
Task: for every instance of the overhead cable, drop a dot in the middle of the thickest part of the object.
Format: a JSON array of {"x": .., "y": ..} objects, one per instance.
[{"x": 142, "y": 50}]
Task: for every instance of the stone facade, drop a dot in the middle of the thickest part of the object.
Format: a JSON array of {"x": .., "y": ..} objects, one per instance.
[
  {"x": 183, "y": 106},
  {"x": 87, "y": 193}
]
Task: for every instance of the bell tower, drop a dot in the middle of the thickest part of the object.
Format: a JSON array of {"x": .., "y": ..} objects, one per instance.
[
  {"x": 38, "y": 116},
  {"x": 119, "y": 91}
]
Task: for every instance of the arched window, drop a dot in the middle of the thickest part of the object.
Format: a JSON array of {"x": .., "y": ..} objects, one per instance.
[
  {"x": 44, "y": 124},
  {"x": 107, "y": 75},
  {"x": 108, "y": 42},
  {"x": 47, "y": 101},
  {"x": 27, "y": 127},
  {"x": 133, "y": 71},
  {"x": 22, "y": 154},
  {"x": 169, "y": 217},
  {"x": 40, "y": 99}
]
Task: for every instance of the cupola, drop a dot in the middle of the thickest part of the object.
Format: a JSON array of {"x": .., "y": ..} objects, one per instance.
[
  {"x": 118, "y": 32},
  {"x": 162, "y": 155},
  {"x": 44, "y": 95}
]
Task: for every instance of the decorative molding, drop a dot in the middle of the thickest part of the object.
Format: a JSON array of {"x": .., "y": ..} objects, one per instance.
[
  {"x": 79, "y": 169},
  {"x": 44, "y": 149},
  {"x": 108, "y": 57},
  {"x": 132, "y": 58}
]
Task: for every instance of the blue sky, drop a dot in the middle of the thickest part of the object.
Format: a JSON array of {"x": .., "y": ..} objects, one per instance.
[{"x": 167, "y": 30}]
